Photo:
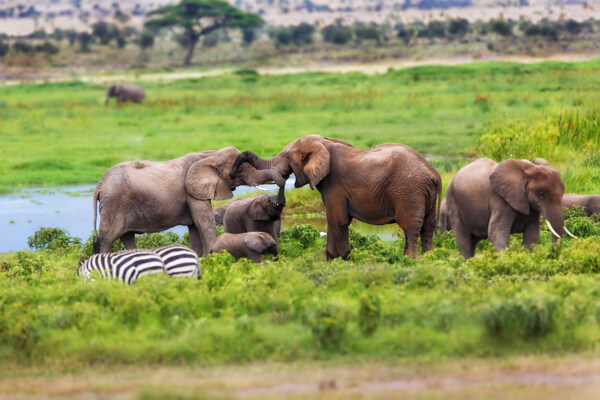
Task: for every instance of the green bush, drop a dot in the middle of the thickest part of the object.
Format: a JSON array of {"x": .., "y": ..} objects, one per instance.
[
  {"x": 52, "y": 238},
  {"x": 328, "y": 322},
  {"x": 369, "y": 313}
]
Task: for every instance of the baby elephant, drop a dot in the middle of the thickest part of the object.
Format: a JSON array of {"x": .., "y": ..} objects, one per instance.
[
  {"x": 259, "y": 213},
  {"x": 250, "y": 245},
  {"x": 590, "y": 203},
  {"x": 125, "y": 93}
]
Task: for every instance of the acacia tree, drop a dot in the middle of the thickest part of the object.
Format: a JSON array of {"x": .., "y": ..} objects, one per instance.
[{"x": 200, "y": 17}]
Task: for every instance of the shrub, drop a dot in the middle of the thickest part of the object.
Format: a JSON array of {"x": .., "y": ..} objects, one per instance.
[
  {"x": 4, "y": 48},
  {"x": 328, "y": 322},
  {"x": 369, "y": 313},
  {"x": 336, "y": 34},
  {"x": 302, "y": 233},
  {"x": 525, "y": 316},
  {"x": 52, "y": 239},
  {"x": 25, "y": 265}
]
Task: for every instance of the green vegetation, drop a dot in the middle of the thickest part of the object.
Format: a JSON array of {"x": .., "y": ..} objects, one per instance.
[
  {"x": 440, "y": 111},
  {"x": 379, "y": 304}
]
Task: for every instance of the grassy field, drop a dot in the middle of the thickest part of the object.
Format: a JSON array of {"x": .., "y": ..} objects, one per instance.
[{"x": 379, "y": 306}]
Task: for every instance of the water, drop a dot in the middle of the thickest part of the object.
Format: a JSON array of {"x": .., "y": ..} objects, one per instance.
[{"x": 71, "y": 208}]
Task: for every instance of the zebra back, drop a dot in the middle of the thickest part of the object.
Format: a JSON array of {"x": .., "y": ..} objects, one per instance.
[
  {"x": 127, "y": 266},
  {"x": 179, "y": 260}
]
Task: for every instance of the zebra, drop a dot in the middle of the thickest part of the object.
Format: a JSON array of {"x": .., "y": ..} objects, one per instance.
[
  {"x": 179, "y": 260},
  {"x": 127, "y": 266}
]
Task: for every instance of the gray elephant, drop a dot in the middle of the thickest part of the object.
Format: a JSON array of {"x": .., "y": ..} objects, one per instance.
[
  {"x": 125, "y": 93},
  {"x": 443, "y": 222},
  {"x": 219, "y": 213},
  {"x": 259, "y": 213},
  {"x": 590, "y": 203},
  {"x": 486, "y": 199},
  {"x": 386, "y": 184},
  {"x": 250, "y": 245},
  {"x": 148, "y": 196}
]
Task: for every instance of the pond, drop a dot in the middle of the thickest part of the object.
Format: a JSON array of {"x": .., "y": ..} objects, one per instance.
[{"x": 70, "y": 208}]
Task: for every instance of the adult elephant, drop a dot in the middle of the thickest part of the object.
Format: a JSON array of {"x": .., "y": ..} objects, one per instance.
[
  {"x": 149, "y": 196},
  {"x": 125, "y": 93},
  {"x": 486, "y": 199},
  {"x": 386, "y": 184},
  {"x": 590, "y": 203},
  {"x": 259, "y": 213}
]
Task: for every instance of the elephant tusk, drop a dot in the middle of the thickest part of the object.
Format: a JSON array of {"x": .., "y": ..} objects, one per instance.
[
  {"x": 260, "y": 188},
  {"x": 569, "y": 233},
  {"x": 552, "y": 229}
]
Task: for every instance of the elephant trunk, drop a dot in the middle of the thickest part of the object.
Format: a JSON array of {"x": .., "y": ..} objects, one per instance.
[
  {"x": 252, "y": 159},
  {"x": 265, "y": 175},
  {"x": 281, "y": 197},
  {"x": 555, "y": 222}
]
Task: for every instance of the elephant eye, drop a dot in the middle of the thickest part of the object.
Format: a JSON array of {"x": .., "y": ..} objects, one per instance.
[{"x": 540, "y": 194}]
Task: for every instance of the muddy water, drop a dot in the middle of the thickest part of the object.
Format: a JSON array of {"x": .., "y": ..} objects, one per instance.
[{"x": 70, "y": 208}]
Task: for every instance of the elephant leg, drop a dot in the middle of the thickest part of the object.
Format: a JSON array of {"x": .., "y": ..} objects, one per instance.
[
  {"x": 412, "y": 228},
  {"x": 465, "y": 241},
  {"x": 195, "y": 242},
  {"x": 204, "y": 221},
  {"x": 338, "y": 236},
  {"x": 128, "y": 240},
  {"x": 427, "y": 231},
  {"x": 110, "y": 230},
  {"x": 531, "y": 234},
  {"x": 499, "y": 229}
]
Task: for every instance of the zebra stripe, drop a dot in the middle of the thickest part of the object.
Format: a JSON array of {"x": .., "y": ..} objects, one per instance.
[
  {"x": 179, "y": 260},
  {"x": 126, "y": 266}
]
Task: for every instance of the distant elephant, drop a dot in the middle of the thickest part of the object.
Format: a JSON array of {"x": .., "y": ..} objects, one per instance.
[
  {"x": 259, "y": 213},
  {"x": 386, "y": 184},
  {"x": 149, "y": 196},
  {"x": 250, "y": 245},
  {"x": 125, "y": 93},
  {"x": 443, "y": 222},
  {"x": 490, "y": 200},
  {"x": 590, "y": 203}
]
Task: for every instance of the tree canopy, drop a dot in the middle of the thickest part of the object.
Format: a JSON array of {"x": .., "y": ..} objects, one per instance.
[{"x": 200, "y": 17}]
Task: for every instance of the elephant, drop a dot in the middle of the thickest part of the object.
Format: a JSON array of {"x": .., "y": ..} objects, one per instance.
[
  {"x": 125, "y": 93},
  {"x": 486, "y": 199},
  {"x": 151, "y": 196},
  {"x": 250, "y": 245},
  {"x": 259, "y": 213},
  {"x": 590, "y": 203},
  {"x": 386, "y": 184},
  {"x": 443, "y": 222},
  {"x": 219, "y": 213}
]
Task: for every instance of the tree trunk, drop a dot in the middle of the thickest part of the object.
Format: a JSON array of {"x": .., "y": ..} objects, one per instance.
[{"x": 193, "y": 41}]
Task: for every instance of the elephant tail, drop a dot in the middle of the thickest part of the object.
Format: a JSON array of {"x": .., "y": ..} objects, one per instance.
[
  {"x": 96, "y": 243},
  {"x": 438, "y": 188}
]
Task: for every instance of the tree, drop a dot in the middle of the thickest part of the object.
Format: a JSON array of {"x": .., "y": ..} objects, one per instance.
[{"x": 200, "y": 17}]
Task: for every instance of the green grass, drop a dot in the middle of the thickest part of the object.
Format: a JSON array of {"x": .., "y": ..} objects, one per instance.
[
  {"x": 378, "y": 305},
  {"x": 60, "y": 133}
]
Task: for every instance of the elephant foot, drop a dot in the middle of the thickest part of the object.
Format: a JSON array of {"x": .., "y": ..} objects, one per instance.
[
  {"x": 329, "y": 256},
  {"x": 345, "y": 256}
]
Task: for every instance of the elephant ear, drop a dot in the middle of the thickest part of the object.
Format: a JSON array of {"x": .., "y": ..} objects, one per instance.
[
  {"x": 541, "y": 161},
  {"x": 257, "y": 211},
  {"x": 255, "y": 242},
  {"x": 313, "y": 158},
  {"x": 204, "y": 182},
  {"x": 509, "y": 181}
]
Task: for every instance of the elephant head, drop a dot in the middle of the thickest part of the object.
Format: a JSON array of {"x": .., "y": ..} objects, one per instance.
[
  {"x": 527, "y": 186},
  {"x": 267, "y": 206},
  {"x": 113, "y": 91},
  {"x": 261, "y": 242},
  {"x": 307, "y": 157},
  {"x": 212, "y": 177}
]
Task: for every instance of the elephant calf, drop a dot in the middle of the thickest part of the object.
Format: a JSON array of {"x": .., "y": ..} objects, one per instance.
[
  {"x": 259, "y": 213},
  {"x": 490, "y": 199},
  {"x": 125, "y": 93},
  {"x": 250, "y": 245},
  {"x": 443, "y": 222},
  {"x": 590, "y": 203}
]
